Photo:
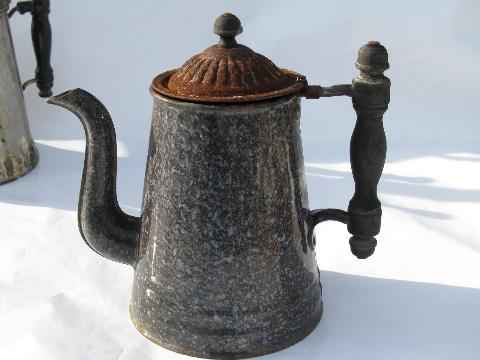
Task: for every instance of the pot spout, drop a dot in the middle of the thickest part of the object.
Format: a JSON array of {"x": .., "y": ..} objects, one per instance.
[{"x": 103, "y": 225}]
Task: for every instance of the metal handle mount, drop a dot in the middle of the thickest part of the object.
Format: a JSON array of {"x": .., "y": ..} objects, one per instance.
[
  {"x": 370, "y": 92},
  {"x": 42, "y": 42}
]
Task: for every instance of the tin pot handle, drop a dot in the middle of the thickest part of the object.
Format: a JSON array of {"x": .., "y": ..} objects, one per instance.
[
  {"x": 370, "y": 93},
  {"x": 42, "y": 42}
]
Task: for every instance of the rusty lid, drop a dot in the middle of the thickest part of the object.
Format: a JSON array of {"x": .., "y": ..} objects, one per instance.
[{"x": 228, "y": 72}]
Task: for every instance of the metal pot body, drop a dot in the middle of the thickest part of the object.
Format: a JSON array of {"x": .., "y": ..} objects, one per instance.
[
  {"x": 18, "y": 154},
  {"x": 223, "y": 268}
]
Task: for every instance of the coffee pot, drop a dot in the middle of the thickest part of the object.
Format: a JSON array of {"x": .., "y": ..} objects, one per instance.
[
  {"x": 18, "y": 154},
  {"x": 224, "y": 249}
]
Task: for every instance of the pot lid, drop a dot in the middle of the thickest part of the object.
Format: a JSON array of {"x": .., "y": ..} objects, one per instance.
[{"x": 228, "y": 72}]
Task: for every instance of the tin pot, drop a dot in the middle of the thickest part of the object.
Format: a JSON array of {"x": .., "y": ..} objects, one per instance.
[
  {"x": 224, "y": 250},
  {"x": 18, "y": 154}
]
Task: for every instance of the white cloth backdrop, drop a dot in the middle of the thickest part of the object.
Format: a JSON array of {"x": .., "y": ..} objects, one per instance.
[{"x": 418, "y": 297}]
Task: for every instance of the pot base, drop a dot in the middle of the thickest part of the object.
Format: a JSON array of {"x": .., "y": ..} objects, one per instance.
[
  {"x": 256, "y": 332},
  {"x": 16, "y": 166},
  {"x": 248, "y": 353}
]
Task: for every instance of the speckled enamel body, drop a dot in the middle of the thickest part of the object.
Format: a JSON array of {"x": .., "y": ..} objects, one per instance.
[{"x": 223, "y": 268}]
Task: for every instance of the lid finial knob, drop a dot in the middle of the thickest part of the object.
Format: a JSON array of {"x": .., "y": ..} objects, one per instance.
[
  {"x": 227, "y": 26},
  {"x": 372, "y": 58}
]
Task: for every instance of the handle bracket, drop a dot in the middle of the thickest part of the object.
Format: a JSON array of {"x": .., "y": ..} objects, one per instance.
[
  {"x": 317, "y": 91},
  {"x": 22, "y": 7}
]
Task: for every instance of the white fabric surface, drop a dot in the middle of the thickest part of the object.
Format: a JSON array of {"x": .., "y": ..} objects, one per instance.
[{"x": 417, "y": 297}]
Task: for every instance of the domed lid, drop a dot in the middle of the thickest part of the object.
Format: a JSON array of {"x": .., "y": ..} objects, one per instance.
[{"x": 228, "y": 72}]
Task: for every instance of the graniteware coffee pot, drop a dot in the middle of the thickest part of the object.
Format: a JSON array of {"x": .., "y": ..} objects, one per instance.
[
  {"x": 224, "y": 249},
  {"x": 18, "y": 154}
]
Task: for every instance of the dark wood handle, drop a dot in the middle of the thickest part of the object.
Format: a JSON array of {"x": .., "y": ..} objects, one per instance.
[
  {"x": 368, "y": 146},
  {"x": 42, "y": 45}
]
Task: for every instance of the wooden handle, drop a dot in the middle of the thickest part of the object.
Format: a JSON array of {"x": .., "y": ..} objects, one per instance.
[
  {"x": 368, "y": 146},
  {"x": 42, "y": 45}
]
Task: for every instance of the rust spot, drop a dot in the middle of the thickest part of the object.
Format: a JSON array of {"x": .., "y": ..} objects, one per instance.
[{"x": 313, "y": 92}]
